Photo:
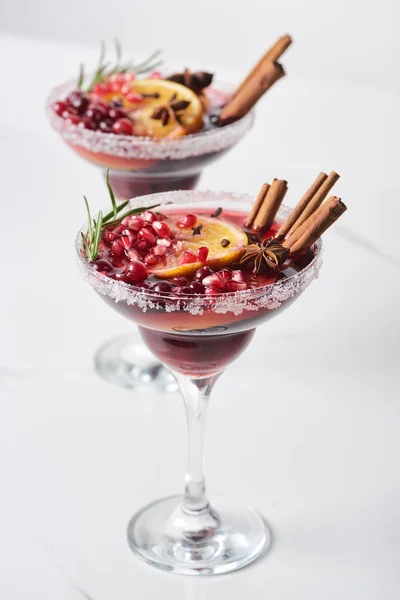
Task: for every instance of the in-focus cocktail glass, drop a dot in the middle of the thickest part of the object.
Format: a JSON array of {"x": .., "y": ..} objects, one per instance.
[
  {"x": 138, "y": 166},
  {"x": 197, "y": 337}
]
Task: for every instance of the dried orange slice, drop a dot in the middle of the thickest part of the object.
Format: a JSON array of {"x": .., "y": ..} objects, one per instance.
[
  {"x": 212, "y": 232},
  {"x": 179, "y": 110}
]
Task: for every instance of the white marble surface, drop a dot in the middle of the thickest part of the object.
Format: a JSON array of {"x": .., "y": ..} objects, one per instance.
[{"x": 305, "y": 427}]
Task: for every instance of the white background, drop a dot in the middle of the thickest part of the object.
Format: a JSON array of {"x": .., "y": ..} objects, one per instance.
[{"x": 305, "y": 426}]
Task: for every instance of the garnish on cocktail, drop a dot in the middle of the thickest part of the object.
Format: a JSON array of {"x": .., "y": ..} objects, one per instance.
[
  {"x": 122, "y": 98},
  {"x": 175, "y": 252}
]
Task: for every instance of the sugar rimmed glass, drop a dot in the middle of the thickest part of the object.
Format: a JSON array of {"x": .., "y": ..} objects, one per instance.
[
  {"x": 197, "y": 337},
  {"x": 143, "y": 165}
]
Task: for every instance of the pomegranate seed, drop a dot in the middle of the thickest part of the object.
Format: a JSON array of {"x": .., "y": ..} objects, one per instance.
[
  {"x": 202, "y": 254},
  {"x": 101, "y": 89},
  {"x": 134, "y": 98},
  {"x": 106, "y": 126},
  {"x": 211, "y": 291},
  {"x": 142, "y": 246},
  {"x": 100, "y": 104},
  {"x": 197, "y": 287},
  {"x": 109, "y": 236},
  {"x": 237, "y": 276},
  {"x": 73, "y": 119},
  {"x": 180, "y": 281},
  {"x": 117, "y": 247},
  {"x": 115, "y": 86},
  {"x": 163, "y": 287},
  {"x": 151, "y": 259},
  {"x": 87, "y": 123},
  {"x": 161, "y": 228},
  {"x": 155, "y": 75},
  {"x": 116, "y": 113},
  {"x": 136, "y": 271},
  {"x": 187, "y": 221},
  {"x": 118, "y": 263},
  {"x": 202, "y": 273},
  {"x": 125, "y": 221},
  {"x": 145, "y": 234},
  {"x": 214, "y": 281},
  {"x": 127, "y": 241},
  {"x": 187, "y": 258},
  {"x": 120, "y": 277},
  {"x": 164, "y": 242},
  {"x": 126, "y": 89},
  {"x": 132, "y": 254},
  {"x": 135, "y": 223},
  {"x": 235, "y": 286},
  {"x": 123, "y": 127},
  {"x": 96, "y": 113},
  {"x": 78, "y": 101},
  {"x": 149, "y": 216},
  {"x": 103, "y": 265},
  {"x": 59, "y": 107},
  {"x": 130, "y": 76},
  {"x": 119, "y": 229},
  {"x": 225, "y": 274},
  {"x": 127, "y": 231},
  {"x": 187, "y": 291},
  {"x": 117, "y": 78}
]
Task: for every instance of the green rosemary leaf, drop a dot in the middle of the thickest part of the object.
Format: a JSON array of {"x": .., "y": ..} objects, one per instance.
[
  {"x": 145, "y": 65},
  {"x": 108, "y": 216},
  {"x": 123, "y": 68},
  {"x": 133, "y": 211},
  {"x": 97, "y": 234},
  {"x": 111, "y": 193},
  {"x": 85, "y": 246},
  {"x": 90, "y": 230},
  {"x": 117, "y": 45},
  {"x": 100, "y": 66},
  {"x": 81, "y": 77},
  {"x": 149, "y": 67},
  {"x": 102, "y": 53}
]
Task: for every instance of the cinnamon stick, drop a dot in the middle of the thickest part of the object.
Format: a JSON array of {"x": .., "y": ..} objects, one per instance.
[
  {"x": 302, "y": 204},
  {"x": 271, "y": 204},
  {"x": 315, "y": 201},
  {"x": 268, "y": 74},
  {"x": 272, "y": 55},
  {"x": 317, "y": 224},
  {"x": 257, "y": 205}
]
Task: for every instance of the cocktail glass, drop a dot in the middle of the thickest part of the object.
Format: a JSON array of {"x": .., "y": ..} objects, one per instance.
[
  {"x": 139, "y": 166},
  {"x": 197, "y": 337}
]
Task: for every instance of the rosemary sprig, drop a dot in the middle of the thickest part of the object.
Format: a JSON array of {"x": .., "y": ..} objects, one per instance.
[
  {"x": 96, "y": 225},
  {"x": 105, "y": 68},
  {"x": 111, "y": 194},
  {"x": 81, "y": 76}
]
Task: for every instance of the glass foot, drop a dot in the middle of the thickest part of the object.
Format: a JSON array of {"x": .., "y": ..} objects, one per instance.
[
  {"x": 128, "y": 363},
  {"x": 222, "y": 539}
]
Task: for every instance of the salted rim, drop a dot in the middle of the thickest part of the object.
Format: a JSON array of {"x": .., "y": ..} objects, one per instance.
[
  {"x": 146, "y": 148},
  {"x": 270, "y": 296}
]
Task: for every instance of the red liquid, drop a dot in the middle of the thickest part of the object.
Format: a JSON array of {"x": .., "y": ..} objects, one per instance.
[{"x": 195, "y": 355}]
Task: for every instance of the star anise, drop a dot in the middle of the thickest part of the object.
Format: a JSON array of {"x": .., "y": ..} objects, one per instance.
[
  {"x": 195, "y": 81},
  {"x": 170, "y": 111},
  {"x": 268, "y": 254}
]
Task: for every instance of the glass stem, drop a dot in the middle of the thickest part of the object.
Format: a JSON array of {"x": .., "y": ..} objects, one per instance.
[{"x": 196, "y": 393}]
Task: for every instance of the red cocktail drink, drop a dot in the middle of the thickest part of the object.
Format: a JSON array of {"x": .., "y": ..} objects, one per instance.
[{"x": 197, "y": 301}]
